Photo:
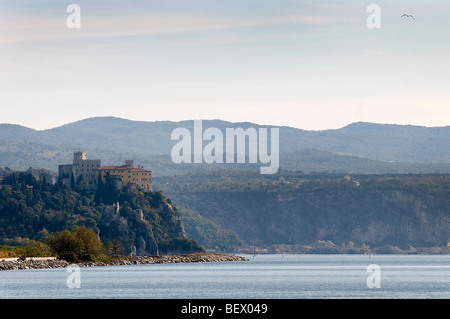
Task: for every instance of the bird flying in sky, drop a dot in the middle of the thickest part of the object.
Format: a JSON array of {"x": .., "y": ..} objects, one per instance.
[{"x": 408, "y": 16}]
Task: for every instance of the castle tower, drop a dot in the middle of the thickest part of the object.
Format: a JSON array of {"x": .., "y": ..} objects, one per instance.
[
  {"x": 79, "y": 156},
  {"x": 81, "y": 167},
  {"x": 129, "y": 163}
]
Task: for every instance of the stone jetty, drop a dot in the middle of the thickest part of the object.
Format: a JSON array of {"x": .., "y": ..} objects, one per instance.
[{"x": 31, "y": 263}]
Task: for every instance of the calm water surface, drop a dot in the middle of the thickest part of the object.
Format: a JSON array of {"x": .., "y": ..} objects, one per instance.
[{"x": 265, "y": 276}]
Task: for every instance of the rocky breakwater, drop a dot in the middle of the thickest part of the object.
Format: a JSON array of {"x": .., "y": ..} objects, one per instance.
[
  {"x": 32, "y": 264},
  {"x": 137, "y": 260}
]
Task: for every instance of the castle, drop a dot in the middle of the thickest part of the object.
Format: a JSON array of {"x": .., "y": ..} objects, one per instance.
[{"x": 83, "y": 169}]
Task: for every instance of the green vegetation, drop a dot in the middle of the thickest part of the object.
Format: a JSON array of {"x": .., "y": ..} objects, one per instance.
[
  {"x": 31, "y": 209},
  {"x": 80, "y": 245},
  {"x": 29, "y": 248},
  {"x": 206, "y": 232},
  {"x": 28, "y": 206}
]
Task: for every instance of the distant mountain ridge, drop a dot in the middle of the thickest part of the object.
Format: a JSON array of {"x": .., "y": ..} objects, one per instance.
[{"x": 112, "y": 137}]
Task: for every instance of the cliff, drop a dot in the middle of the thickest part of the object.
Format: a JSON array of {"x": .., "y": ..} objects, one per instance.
[
  {"x": 379, "y": 212},
  {"x": 146, "y": 224}
]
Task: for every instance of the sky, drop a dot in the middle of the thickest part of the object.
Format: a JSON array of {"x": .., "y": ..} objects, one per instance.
[{"x": 310, "y": 64}]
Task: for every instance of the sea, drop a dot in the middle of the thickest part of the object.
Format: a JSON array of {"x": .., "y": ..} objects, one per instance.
[{"x": 261, "y": 277}]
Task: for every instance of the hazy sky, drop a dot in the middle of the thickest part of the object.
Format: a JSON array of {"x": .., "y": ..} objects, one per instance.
[{"x": 310, "y": 64}]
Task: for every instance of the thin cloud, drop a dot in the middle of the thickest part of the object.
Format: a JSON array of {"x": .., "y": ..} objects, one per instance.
[{"x": 36, "y": 28}]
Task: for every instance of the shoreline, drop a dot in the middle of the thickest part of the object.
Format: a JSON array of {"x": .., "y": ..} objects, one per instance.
[
  {"x": 328, "y": 247},
  {"x": 31, "y": 263}
]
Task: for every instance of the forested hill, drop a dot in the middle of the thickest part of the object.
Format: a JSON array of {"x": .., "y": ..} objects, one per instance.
[
  {"x": 384, "y": 142},
  {"x": 356, "y": 148},
  {"x": 145, "y": 223},
  {"x": 302, "y": 209}
]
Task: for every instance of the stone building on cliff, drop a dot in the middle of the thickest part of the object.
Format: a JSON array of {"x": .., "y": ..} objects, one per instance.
[{"x": 89, "y": 170}]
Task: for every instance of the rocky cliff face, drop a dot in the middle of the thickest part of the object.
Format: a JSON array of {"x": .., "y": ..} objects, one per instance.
[
  {"x": 134, "y": 233},
  {"x": 373, "y": 211},
  {"x": 150, "y": 230}
]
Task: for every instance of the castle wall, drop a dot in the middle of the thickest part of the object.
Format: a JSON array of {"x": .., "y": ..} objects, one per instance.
[
  {"x": 80, "y": 167},
  {"x": 64, "y": 173}
]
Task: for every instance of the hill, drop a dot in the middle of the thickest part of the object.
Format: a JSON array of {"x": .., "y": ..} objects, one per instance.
[
  {"x": 302, "y": 209},
  {"x": 356, "y": 148},
  {"x": 129, "y": 221}
]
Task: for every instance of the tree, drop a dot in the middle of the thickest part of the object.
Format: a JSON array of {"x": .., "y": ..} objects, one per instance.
[
  {"x": 90, "y": 244},
  {"x": 82, "y": 184},
  {"x": 107, "y": 191},
  {"x": 113, "y": 247},
  {"x": 72, "y": 181},
  {"x": 81, "y": 244}
]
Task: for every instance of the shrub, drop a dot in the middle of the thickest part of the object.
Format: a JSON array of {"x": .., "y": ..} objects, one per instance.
[{"x": 81, "y": 244}]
